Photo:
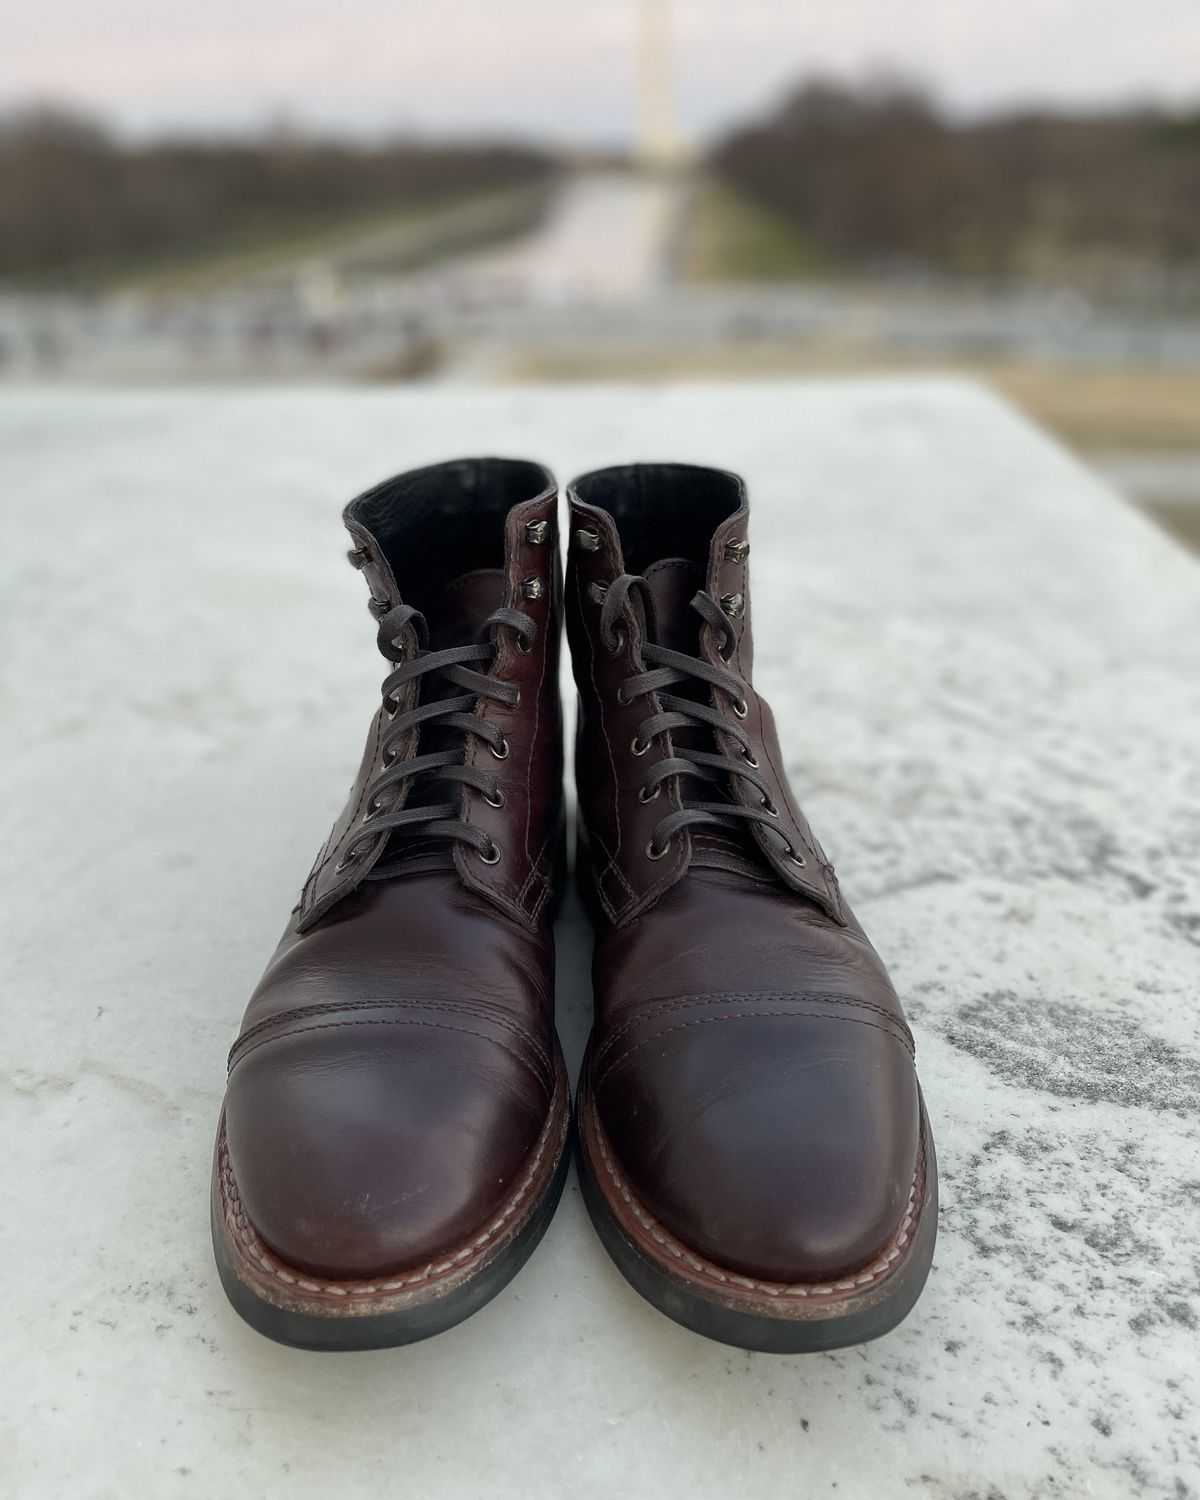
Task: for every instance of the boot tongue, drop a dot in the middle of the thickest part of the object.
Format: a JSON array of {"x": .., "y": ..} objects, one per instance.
[
  {"x": 673, "y": 583},
  {"x": 463, "y": 607}
]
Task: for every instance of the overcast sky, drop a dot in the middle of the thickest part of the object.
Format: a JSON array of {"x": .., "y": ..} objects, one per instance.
[{"x": 564, "y": 67}]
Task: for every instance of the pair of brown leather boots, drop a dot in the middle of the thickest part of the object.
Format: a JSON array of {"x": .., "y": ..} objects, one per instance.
[{"x": 751, "y": 1137}]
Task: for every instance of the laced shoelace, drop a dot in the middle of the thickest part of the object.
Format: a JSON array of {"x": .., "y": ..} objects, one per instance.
[
  {"x": 671, "y": 669},
  {"x": 457, "y": 666}
]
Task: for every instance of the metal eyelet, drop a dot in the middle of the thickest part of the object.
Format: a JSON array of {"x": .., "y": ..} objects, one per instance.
[
  {"x": 639, "y": 747},
  {"x": 500, "y": 754},
  {"x": 391, "y": 709},
  {"x": 516, "y": 703},
  {"x": 388, "y": 757},
  {"x": 646, "y": 795},
  {"x": 494, "y": 850},
  {"x": 622, "y": 697},
  {"x": 597, "y": 592},
  {"x": 497, "y": 800},
  {"x": 741, "y": 708},
  {"x": 653, "y": 853},
  {"x": 537, "y": 533},
  {"x": 522, "y": 647},
  {"x": 769, "y": 807},
  {"x": 588, "y": 538},
  {"x": 796, "y": 859},
  {"x": 533, "y": 589},
  {"x": 749, "y": 759},
  {"x": 618, "y": 644},
  {"x": 734, "y": 605},
  {"x": 737, "y": 550},
  {"x": 347, "y": 859},
  {"x": 372, "y": 812}
]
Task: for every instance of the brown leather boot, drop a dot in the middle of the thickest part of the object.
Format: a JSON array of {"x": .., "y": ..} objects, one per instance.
[
  {"x": 392, "y": 1143},
  {"x": 754, "y": 1148}
]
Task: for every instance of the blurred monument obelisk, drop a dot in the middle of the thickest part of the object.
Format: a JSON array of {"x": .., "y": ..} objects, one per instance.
[{"x": 659, "y": 143}]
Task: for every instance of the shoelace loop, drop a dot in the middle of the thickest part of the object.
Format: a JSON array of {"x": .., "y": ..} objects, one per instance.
[
  {"x": 458, "y": 666},
  {"x": 670, "y": 669}
]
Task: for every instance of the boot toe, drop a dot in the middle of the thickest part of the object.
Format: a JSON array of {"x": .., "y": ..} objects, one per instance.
[
  {"x": 778, "y": 1149},
  {"x": 360, "y": 1149}
]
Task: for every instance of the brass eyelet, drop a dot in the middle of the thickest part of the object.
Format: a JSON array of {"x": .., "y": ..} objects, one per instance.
[
  {"x": 646, "y": 795},
  {"x": 653, "y": 853},
  {"x": 495, "y": 801},
  {"x": 639, "y": 747},
  {"x": 493, "y": 850},
  {"x": 501, "y": 753},
  {"x": 741, "y": 708}
]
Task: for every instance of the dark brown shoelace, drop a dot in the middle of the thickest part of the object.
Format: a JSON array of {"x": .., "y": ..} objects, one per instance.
[
  {"x": 671, "y": 669},
  {"x": 403, "y": 797}
]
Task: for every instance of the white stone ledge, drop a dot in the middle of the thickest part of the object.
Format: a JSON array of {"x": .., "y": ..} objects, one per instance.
[{"x": 987, "y": 674}]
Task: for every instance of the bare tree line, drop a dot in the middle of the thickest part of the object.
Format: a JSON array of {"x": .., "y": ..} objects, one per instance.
[
  {"x": 878, "y": 174},
  {"x": 73, "y": 200}
]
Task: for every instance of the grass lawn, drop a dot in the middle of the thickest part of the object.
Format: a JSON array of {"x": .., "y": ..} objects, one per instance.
[
  {"x": 728, "y": 237},
  {"x": 398, "y": 238}
]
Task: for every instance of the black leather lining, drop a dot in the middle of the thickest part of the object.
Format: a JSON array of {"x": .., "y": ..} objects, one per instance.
[
  {"x": 436, "y": 523},
  {"x": 663, "y": 510}
]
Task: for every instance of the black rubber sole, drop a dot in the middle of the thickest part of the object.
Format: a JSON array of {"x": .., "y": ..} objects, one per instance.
[{"x": 852, "y": 1319}]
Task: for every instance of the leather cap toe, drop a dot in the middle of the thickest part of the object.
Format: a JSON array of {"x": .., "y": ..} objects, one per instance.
[
  {"x": 361, "y": 1148},
  {"x": 770, "y": 1145}
]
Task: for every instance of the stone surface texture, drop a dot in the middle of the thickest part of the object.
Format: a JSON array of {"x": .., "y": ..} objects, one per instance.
[{"x": 987, "y": 675}]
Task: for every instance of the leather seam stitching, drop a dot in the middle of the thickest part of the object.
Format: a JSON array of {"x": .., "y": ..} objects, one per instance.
[
  {"x": 304, "y": 1012},
  {"x": 397, "y": 1021},
  {"x": 686, "y": 1002},
  {"x": 754, "y": 1015}
]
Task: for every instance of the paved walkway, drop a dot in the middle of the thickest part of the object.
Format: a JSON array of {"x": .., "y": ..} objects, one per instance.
[{"x": 987, "y": 675}]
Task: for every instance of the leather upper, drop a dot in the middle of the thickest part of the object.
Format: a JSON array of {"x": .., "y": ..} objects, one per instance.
[
  {"x": 396, "y": 1062},
  {"x": 617, "y": 825},
  {"x": 750, "y": 1061}
]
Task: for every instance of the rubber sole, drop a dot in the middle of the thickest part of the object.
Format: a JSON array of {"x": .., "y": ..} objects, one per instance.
[
  {"x": 309, "y": 1312},
  {"x": 775, "y": 1317}
]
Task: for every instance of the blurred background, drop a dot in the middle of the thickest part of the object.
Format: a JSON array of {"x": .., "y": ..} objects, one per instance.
[{"x": 622, "y": 190}]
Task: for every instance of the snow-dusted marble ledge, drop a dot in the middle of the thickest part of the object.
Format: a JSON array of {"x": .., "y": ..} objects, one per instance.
[{"x": 987, "y": 675}]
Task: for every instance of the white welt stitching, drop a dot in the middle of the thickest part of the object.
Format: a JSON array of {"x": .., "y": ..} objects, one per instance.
[
  {"x": 235, "y": 1218},
  {"x": 874, "y": 1272}
]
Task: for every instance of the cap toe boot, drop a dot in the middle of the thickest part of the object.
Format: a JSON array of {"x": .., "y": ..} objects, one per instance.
[
  {"x": 754, "y": 1146},
  {"x": 392, "y": 1141}
]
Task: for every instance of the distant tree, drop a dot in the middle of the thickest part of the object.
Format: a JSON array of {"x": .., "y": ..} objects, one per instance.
[
  {"x": 73, "y": 199},
  {"x": 878, "y": 174}
]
